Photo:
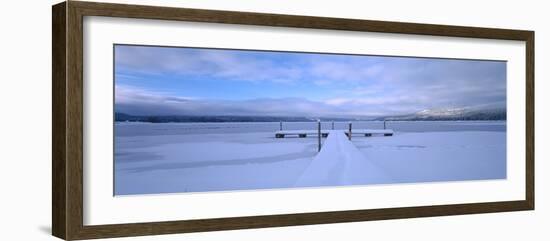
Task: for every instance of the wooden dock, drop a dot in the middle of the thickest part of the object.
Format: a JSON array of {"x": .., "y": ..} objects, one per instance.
[
  {"x": 340, "y": 162},
  {"x": 324, "y": 133}
]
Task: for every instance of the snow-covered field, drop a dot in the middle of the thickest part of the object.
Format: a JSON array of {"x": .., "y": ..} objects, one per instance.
[{"x": 198, "y": 157}]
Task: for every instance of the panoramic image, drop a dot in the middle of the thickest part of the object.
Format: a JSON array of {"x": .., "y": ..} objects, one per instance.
[{"x": 189, "y": 120}]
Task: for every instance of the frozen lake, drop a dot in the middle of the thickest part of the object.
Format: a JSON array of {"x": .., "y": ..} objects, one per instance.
[{"x": 197, "y": 157}]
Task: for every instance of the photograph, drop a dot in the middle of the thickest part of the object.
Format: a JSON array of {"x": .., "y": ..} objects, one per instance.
[
  {"x": 181, "y": 120},
  {"x": 189, "y": 119}
]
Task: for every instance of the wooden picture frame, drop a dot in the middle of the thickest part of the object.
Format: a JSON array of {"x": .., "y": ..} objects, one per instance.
[{"x": 67, "y": 123}]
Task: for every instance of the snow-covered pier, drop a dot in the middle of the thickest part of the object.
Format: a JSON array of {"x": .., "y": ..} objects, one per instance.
[
  {"x": 324, "y": 133},
  {"x": 340, "y": 163}
]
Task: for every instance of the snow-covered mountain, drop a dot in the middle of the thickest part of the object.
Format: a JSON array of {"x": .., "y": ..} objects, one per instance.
[{"x": 453, "y": 114}]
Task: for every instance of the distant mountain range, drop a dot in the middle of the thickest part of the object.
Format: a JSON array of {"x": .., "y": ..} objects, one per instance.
[
  {"x": 449, "y": 114},
  {"x": 122, "y": 117}
]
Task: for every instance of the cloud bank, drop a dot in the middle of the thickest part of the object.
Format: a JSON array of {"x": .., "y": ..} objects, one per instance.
[{"x": 192, "y": 81}]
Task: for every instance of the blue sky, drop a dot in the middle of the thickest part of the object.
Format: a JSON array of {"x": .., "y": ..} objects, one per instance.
[{"x": 193, "y": 81}]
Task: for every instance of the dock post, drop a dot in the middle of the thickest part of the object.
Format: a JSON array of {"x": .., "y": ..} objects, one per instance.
[
  {"x": 333, "y": 125},
  {"x": 349, "y": 131},
  {"x": 319, "y": 136},
  {"x": 384, "y": 124},
  {"x": 280, "y": 125}
]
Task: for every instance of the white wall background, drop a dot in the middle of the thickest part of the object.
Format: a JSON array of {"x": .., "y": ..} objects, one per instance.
[{"x": 25, "y": 120}]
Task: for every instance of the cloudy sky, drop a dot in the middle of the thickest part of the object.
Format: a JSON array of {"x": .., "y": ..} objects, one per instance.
[{"x": 192, "y": 81}]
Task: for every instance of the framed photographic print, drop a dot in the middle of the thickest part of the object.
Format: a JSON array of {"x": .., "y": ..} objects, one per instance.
[{"x": 172, "y": 120}]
